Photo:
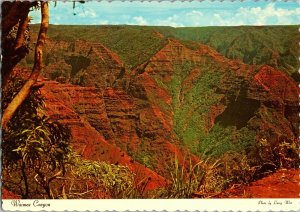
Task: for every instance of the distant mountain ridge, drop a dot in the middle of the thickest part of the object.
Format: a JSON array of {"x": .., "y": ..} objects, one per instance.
[{"x": 276, "y": 46}]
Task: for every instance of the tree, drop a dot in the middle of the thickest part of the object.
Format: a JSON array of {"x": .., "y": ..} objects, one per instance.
[
  {"x": 38, "y": 161},
  {"x": 17, "y": 13},
  {"x": 31, "y": 143}
]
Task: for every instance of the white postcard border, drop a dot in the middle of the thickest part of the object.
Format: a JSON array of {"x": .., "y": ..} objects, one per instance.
[{"x": 152, "y": 205}]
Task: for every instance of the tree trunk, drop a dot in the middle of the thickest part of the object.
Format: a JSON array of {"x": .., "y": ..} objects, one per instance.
[
  {"x": 9, "y": 61},
  {"x": 38, "y": 64},
  {"x": 23, "y": 172},
  {"x": 23, "y": 24},
  {"x": 16, "y": 12}
]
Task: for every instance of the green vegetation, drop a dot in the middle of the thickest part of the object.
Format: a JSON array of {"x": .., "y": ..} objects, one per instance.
[
  {"x": 190, "y": 105},
  {"x": 143, "y": 42},
  {"x": 189, "y": 179},
  {"x": 283, "y": 154},
  {"x": 38, "y": 161},
  {"x": 144, "y": 157},
  {"x": 114, "y": 180},
  {"x": 221, "y": 140},
  {"x": 33, "y": 144},
  {"x": 272, "y": 45}
]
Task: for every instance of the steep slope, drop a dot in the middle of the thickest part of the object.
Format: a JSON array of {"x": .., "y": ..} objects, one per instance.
[
  {"x": 272, "y": 45},
  {"x": 182, "y": 98},
  {"x": 126, "y": 119},
  {"x": 109, "y": 125},
  {"x": 201, "y": 87},
  {"x": 81, "y": 63},
  {"x": 77, "y": 108},
  {"x": 222, "y": 108}
]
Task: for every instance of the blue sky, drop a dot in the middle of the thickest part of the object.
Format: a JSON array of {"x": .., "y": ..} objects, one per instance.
[{"x": 177, "y": 14}]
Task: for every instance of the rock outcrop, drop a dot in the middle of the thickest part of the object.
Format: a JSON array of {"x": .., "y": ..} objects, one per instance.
[{"x": 83, "y": 110}]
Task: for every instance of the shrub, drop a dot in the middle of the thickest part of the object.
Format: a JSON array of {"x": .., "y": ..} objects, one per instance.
[
  {"x": 115, "y": 180},
  {"x": 32, "y": 144},
  {"x": 189, "y": 179},
  {"x": 235, "y": 168},
  {"x": 283, "y": 154}
]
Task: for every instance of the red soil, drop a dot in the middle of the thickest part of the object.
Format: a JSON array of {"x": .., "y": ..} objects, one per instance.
[
  {"x": 9, "y": 195},
  {"x": 77, "y": 107},
  {"x": 282, "y": 184},
  {"x": 276, "y": 83}
]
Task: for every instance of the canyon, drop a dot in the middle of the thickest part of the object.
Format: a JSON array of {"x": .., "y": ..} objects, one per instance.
[{"x": 180, "y": 99}]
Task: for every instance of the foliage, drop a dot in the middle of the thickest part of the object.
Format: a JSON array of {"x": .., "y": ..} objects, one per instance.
[
  {"x": 37, "y": 152},
  {"x": 116, "y": 180},
  {"x": 245, "y": 160},
  {"x": 236, "y": 168},
  {"x": 32, "y": 143},
  {"x": 190, "y": 105},
  {"x": 282, "y": 154},
  {"x": 188, "y": 179},
  {"x": 221, "y": 140},
  {"x": 235, "y": 150}
]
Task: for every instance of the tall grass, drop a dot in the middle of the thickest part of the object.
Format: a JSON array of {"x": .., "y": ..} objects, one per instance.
[{"x": 188, "y": 179}]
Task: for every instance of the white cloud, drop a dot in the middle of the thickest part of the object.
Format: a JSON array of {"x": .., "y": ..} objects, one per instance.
[
  {"x": 194, "y": 14},
  {"x": 260, "y": 16},
  {"x": 104, "y": 22},
  {"x": 87, "y": 13},
  {"x": 139, "y": 20},
  {"x": 191, "y": 18},
  {"x": 242, "y": 16},
  {"x": 173, "y": 20},
  {"x": 194, "y": 17},
  {"x": 268, "y": 15}
]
